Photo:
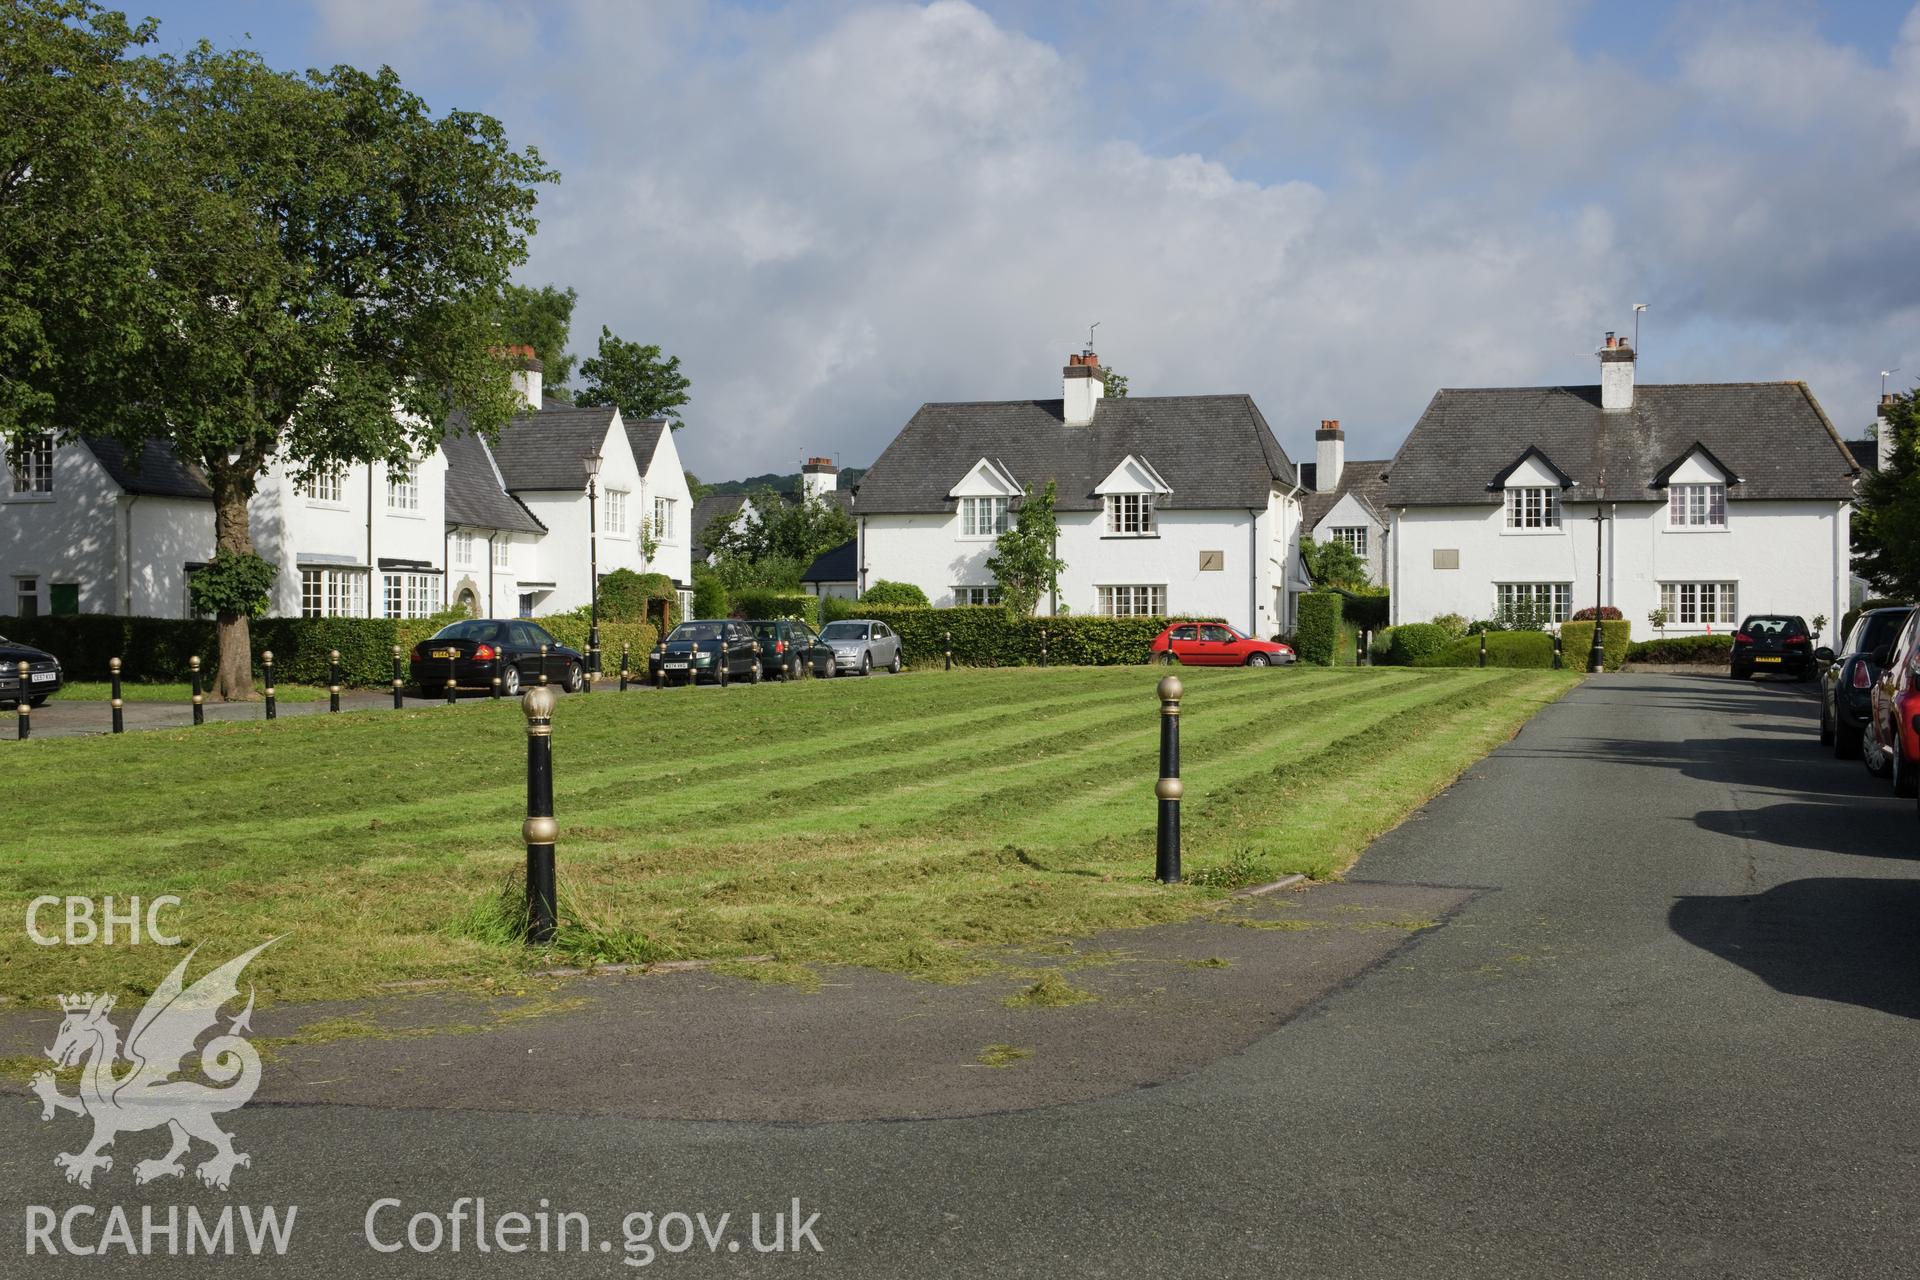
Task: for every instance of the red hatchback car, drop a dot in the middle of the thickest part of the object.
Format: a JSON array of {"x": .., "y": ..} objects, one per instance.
[
  {"x": 1891, "y": 744},
  {"x": 1214, "y": 644}
]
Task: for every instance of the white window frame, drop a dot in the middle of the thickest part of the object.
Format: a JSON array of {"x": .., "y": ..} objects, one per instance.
[
  {"x": 1533, "y": 508},
  {"x": 410, "y": 595},
  {"x": 502, "y": 550},
  {"x": 983, "y": 517},
  {"x": 333, "y": 593},
  {"x": 662, "y": 519},
  {"x": 1130, "y": 515},
  {"x": 31, "y": 466},
  {"x": 1353, "y": 536},
  {"x": 1132, "y": 600},
  {"x": 325, "y": 488},
  {"x": 1557, "y": 596},
  {"x": 26, "y": 592},
  {"x": 403, "y": 490},
  {"x": 977, "y": 595},
  {"x": 463, "y": 550},
  {"x": 1689, "y": 604},
  {"x": 1697, "y": 508}
]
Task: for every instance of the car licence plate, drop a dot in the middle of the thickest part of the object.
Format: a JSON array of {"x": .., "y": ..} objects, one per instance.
[
  {"x": 673, "y": 666},
  {"x": 43, "y": 677},
  {"x": 1766, "y": 659},
  {"x": 446, "y": 653}
]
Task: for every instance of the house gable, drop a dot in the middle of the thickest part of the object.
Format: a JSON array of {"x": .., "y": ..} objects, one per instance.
[
  {"x": 1531, "y": 470},
  {"x": 1134, "y": 475},
  {"x": 1696, "y": 466},
  {"x": 1348, "y": 513},
  {"x": 987, "y": 479}
]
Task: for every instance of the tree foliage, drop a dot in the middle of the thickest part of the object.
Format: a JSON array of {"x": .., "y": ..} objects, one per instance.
[
  {"x": 1024, "y": 562},
  {"x": 542, "y": 319},
  {"x": 1333, "y": 564},
  {"x": 301, "y": 268},
  {"x": 1886, "y": 521},
  {"x": 635, "y": 378},
  {"x": 1113, "y": 384},
  {"x": 773, "y": 541}
]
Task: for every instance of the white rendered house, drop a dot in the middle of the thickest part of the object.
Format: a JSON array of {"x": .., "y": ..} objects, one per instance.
[
  {"x": 1165, "y": 504},
  {"x": 1714, "y": 501}
]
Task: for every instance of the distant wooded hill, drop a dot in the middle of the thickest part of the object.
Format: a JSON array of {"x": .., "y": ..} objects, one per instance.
[{"x": 789, "y": 483}]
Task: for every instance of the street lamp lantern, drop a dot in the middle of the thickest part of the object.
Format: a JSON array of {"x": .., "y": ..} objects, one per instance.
[{"x": 593, "y": 461}]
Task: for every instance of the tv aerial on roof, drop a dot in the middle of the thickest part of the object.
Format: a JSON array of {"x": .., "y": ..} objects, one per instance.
[
  {"x": 1090, "y": 328},
  {"x": 1884, "y": 375}
]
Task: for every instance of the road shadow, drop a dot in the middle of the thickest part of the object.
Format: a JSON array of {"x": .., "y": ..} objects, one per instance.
[
  {"x": 1846, "y": 939},
  {"x": 1822, "y": 824}
]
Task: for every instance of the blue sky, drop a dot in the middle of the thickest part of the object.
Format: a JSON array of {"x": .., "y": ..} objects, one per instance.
[{"x": 835, "y": 211}]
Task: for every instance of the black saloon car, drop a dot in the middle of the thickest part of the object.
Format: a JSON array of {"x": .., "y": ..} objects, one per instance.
[
  {"x": 702, "y": 650},
  {"x": 44, "y": 676},
  {"x": 475, "y": 650},
  {"x": 1846, "y": 691},
  {"x": 1772, "y": 644},
  {"x": 789, "y": 649}
]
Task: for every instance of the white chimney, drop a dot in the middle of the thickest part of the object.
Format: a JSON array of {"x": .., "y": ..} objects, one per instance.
[
  {"x": 1883, "y": 434},
  {"x": 1083, "y": 386},
  {"x": 1616, "y": 374},
  {"x": 818, "y": 478},
  {"x": 1329, "y": 455}
]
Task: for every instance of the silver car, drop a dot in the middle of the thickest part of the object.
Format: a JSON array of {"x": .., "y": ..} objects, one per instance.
[{"x": 861, "y": 645}]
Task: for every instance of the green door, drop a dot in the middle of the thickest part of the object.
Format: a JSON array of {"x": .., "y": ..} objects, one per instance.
[{"x": 63, "y": 597}]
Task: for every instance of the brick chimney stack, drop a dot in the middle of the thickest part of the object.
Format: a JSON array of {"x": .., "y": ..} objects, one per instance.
[
  {"x": 818, "y": 478},
  {"x": 1082, "y": 386}
]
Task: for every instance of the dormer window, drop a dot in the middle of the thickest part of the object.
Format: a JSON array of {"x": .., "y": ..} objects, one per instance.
[
  {"x": 1697, "y": 506},
  {"x": 983, "y": 517},
  {"x": 1130, "y": 514},
  {"x": 1533, "y": 507}
]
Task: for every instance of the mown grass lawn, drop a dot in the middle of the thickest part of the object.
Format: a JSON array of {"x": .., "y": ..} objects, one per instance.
[
  {"x": 178, "y": 691},
  {"x": 907, "y": 824}
]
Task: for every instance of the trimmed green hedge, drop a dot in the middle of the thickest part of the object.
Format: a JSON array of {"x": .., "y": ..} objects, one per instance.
[
  {"x": 1680, "y": 649},
  {"x": 1576, "y": 642},
  {"x": 1316, "y": 628},
  {"x": 896, "y": 593},
  {"x": 1413, "y": 641},
  {"x": 990, "y": 636},
  {"x": 1504, "y": 649},
  {"x": 157, "y": 649},
  {"x": 1366, "y": 612},
  {"x": 763, "y": 602}
]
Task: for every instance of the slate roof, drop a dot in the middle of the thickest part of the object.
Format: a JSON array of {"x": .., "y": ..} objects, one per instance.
[
  {"x": 1214, "y": 451},
  {"x": 544, "y": 450},
  {"x": 476, "y": 493},
  {"x": 837, "y": 565},
  {"x": 644, "y": 437},
  {"x": 1364, "y": 480},
  {"x": 1773, "y": 435},
  {"x": 153, "y": 470},
  {"x": 1866, "y": 453}
]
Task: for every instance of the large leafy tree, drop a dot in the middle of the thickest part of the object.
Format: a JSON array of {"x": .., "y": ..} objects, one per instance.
[
  {"x": 319, "y": 262},
  {"x": 636, "y": 378},
  {"x": 71, "y": 258},
  {"x": 1886, "y": 520},
  {"x": 542, "y": 319},
  {"x": 774, "y": 544},
  {"x": 1024, "y": 561},
  {"x": 1333, "y": 564}
]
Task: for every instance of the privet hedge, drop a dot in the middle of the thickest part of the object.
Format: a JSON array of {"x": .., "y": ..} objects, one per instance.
[
  {"x": 990, "y": 636},
  {"x": 1679, "y": 649},
  {"x": 765, "y": 602},
  {"x": 1316, "y": 628},
  {"x": 1576, "y": 642},
  {"x": 1504, "y": 649},
  {"x": 157, "y": 649}
]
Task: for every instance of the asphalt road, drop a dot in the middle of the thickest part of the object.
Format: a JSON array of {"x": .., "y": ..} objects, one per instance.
[{"x": 1673, "y": 1033}]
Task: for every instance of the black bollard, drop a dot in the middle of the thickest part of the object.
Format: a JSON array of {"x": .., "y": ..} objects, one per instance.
[
  {"x": 540, "y": 830},
  {"x": 23, "y": 704},
  {"x": 1043, "y": 646},
  {"x": 1166, "y": 863},
  {"x": 266, "y": 666},
  {"x": 199, "y": 699},
  {"x": 1556, "y": 651},
  {"x": 333, "y": 680},
  {"x": 452, "y": 687},
  {"x": 119, "y": 719},
  {"x": 660, "y": 667},
  {"x": 949, "y": 638},
  {"x": 543, "y": 666},
  {"x": 720, "y": 662},
  {"x": 1483, "y": 648},
  {"x": 399, "y": 682},
  {"x": 626, "y": 648},
  {"x": 496, "y": 688},
  {"x": 1359, "y": 648}
]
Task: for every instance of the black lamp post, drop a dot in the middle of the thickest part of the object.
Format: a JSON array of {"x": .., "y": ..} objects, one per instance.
[
  {"x": 1597, "y": 654},
  {"x": 593, "y": 562}
]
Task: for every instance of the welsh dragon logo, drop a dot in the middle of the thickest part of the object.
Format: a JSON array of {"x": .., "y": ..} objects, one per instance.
[{"x": 145, "y": 1095}]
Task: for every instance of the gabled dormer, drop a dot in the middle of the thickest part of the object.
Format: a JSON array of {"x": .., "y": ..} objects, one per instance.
[
  {"x": 1130, "y": 493},
  {"x": 985, "y": 495},
  {"x": 1696, "y": 483},
  {"x": 1531, "y": 485}
]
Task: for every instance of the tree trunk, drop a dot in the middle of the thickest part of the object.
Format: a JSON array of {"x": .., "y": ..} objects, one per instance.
[{"x": 233, "y": 682}]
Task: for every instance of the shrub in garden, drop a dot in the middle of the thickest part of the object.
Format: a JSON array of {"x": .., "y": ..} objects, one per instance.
[
  {"x": 1455, "y": 625},
  {"x": 709, "y": 593},
  {"x": 1607, "y": 614},
  {"x": 1316, "y": 630},
  {"x": 1681, "y": 649},
  {"x": 1413, "y": 641},
  {"x": 1504, "y": 649},
  {"x": 763, "y": 602},
  {"x": 1576, "y": 642},
  {"x": 901, "y": 593}
]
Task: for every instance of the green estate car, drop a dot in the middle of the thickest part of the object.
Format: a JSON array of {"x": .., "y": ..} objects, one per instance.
[
  {"x": 789, "y": 649},
  {"x": 703, "y": 650}
]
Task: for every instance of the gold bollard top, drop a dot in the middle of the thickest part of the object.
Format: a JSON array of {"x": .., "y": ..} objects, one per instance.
[
  {"x": 333, "y": 655},
  {"x": 396, "y": 651},
  {"x": 537, "y": 703},
  {"x": 24, "y": 667},
  {"x": 266, "y": 656},
  {"x": 113, "y": 664},
  {"x": 193, "y": 663},
  {"x": 1170, "y": 691}
]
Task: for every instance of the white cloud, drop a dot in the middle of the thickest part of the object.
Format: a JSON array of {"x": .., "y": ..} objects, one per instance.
[{"x": 836, "y": 212}]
